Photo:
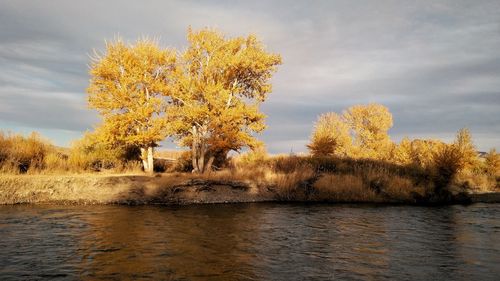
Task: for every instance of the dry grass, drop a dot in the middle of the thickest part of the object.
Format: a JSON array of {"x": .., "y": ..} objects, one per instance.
[
  {"x": 19, "y": 154},
  {"x": 477, "y": 182},
  {"x": 222, "y": 186},
  {"x": 343, "y": 188},
  {"x": 169, "y": 154},
  {"x": 351, "y": 188},
  {"x": 293, "y": 186},
  {"x": 34, "y": 155},
  {"x": 287, "y": 178},
  {"x": 296, "y": 178},
  {"x": 404, "y": 190},
  {"x": 174, "y": 188}
]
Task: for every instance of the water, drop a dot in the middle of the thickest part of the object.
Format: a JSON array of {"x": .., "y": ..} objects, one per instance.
[{"x": 250, "y": 242}]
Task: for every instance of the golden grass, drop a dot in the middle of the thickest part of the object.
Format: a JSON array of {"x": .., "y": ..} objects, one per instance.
[
  {"x": 404, "y": 190},
  {"x": 169, "y": 154},
  {"x": 172, "y": 188},
  {"x": 476, "y": 182},
  {"x": 343, "y": 188},
  {"x": 34, "y": 155},
  {"x": 286, "y": 178},
  {"x": 221, "y": 186}
]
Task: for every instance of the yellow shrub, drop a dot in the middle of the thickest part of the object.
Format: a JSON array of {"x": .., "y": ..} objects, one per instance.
[
  {"x": 492, "y": 163},
  {"x": 21, "y": 154}
]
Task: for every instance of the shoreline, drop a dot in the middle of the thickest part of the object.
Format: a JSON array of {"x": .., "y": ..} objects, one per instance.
[
  {"x": 130, "y": 189},
  {"x": 171, "y": 189}
]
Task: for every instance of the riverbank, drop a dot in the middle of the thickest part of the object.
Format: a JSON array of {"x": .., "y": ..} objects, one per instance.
[
  {"x": 180, "y": 188},
  {"x": 124, "y": 189}
]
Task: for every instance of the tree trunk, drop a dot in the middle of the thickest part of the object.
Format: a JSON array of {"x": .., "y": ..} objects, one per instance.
[
  {"x": 202, "y": 163},
  {"x": 147, "y": 159},
  {"x": 208, "y": 166},
  {"x": 151, "y": 166},
  {"x": 200, "y": 152},
  {"x": 195, "y": 150},
  {"x": 143, "y": 159}
]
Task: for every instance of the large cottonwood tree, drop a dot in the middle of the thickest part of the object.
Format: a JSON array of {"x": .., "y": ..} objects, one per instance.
[
  {"x": 221, "y": 83},
  {"x": 128, "y": 86}
]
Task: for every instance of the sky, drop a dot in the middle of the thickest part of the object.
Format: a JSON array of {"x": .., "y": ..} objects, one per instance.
[{"x": 434, "y": 64}]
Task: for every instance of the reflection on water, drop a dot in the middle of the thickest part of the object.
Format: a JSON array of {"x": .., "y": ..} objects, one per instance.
[{"x": 250, "y": 242}]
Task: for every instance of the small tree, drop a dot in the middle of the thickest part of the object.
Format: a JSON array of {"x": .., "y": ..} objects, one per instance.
[
  {"x": 218, "y": 92},
  {"x": 330, "y": 136},
  {"x": 466, "y": 148},
  {"x": 424, "y": 151},
  {"x": 492, "y": 163},
  {"x": 446, "y": 164},
  {"x": 402, "y": 153},
  {"x": 370, "y": 125},
  {"x": 128, "y": 87}
]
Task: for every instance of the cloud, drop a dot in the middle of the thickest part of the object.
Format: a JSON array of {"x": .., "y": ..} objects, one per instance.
[{"x": 435, "y": 64}]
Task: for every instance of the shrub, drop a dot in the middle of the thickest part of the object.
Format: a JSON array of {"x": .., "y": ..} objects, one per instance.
[
  {"x": 492, "y": 163},
  {"x": 19, "y": 154},
  {"x": 251, "y": 158},
  {"x": 468, "y": 154},
  {"x": 330, "y": 136},
  {"x": 446, "y": 165},
  {"x": 92, "y": 154},
  {"x": 184, "y": 163},
  {"x": 56, "y": 161}
]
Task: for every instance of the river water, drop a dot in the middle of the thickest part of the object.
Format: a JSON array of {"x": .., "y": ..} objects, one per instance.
[{"x": 250, "y": 242}]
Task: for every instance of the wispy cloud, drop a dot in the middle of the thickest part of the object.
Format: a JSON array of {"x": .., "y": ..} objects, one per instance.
[{"x": 435, "y": 64}]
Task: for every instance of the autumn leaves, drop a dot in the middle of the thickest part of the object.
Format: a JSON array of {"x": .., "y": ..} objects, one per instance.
[
  {"x": 129, "y": 86},
  {"x": 206, "y": 98},
  {"x": 360, "y": 132}
]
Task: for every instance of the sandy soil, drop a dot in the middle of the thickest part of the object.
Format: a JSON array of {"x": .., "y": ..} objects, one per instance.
[{"x": 124, "y": 189}]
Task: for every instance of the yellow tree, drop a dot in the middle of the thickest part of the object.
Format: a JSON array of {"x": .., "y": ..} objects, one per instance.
[
  {"x": 402, "y": 153},
  {"x": 492, "y": 162},
  {"x": 330, "y": 136},
  {"x": 370, "y": 125},
  {"x": 219, "y": 88},
  {"x": 423, "y": 151},
  {"x": 463, "y": 142},
  {"x": 128, "y": 87}
]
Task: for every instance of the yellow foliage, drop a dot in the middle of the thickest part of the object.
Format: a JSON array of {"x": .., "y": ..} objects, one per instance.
[
  {"x": 208, "y": 97},
  {"x": 220, "y": 85},
  {"x": 361, "y": 132},
  {"x": 370, "y": 125},
  {"x": 447, "y": 163},
  {"x": 330, "y": 136},
  {"x": 90, "y": 153},
  {"x": 402, "y": 153},
  {"x": 128, "y": 87},
  {"x": 56, "y": 161},
  {"x": 492, "y": 163},
  {"x": 19, "y": 154},
  {"x": 465, "y": 146},
  {"x": 254, "y": 157},
  {"x": 423, "y": 152}
]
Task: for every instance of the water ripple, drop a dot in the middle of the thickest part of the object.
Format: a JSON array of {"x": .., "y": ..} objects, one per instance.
[{"x": 250, "y": 242}]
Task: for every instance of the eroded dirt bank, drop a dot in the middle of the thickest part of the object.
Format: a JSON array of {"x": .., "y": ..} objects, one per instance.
[
  {"x": 125, "y": 189},
  {"x": 171, "y": 189}
]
